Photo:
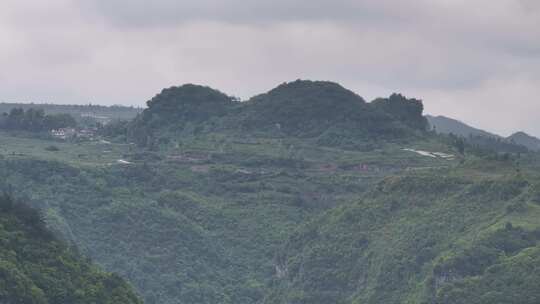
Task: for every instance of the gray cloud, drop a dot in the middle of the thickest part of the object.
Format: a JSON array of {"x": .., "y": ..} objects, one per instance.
[
  {"x": 167, "y": 12},
  {"x": 476, "y": 60}
]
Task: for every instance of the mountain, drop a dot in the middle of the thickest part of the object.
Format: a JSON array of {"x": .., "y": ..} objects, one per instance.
[
  {"x": 407, "y": 111},
  {"x": 187, "y": 103},
  {"x": 304, "y": 108},
  {"x": 441, "y": 237},
  {"x": 36, "y": 267},
  {"x": 178, "y": 108},
  {"x": 516, "y": 142},
  {"x": 198, "y": 215},
  {"x": 324, "y": 109},
  {"x": 303, "y": 194},
  {"x": 447, "y": 125},
  {"x": 522, "y": 138},
  {"x": 320, "y": 110}
]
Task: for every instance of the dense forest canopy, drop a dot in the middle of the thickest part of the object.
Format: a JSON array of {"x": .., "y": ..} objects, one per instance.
[
  {"x": 303, "y": 107},
  {"x": 186, "y": 103},
  {"x": 304, "y": 194},
  {"x": 307, "y": 109},
  {"x": 414, "y": 239},
  {"x": 408, "y": 111},
  {"x": 37, "y": 268}
]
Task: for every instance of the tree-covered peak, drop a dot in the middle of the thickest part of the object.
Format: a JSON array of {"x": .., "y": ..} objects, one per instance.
[
  {"x": 304, "y": 108},
  {"x": 312, "y": 108},
  {"x": 312, "y": 91},
  {"x": 407, "y": 110},
  {"x": 186, "y": 103},
  {"x": 188, "y": 94}
]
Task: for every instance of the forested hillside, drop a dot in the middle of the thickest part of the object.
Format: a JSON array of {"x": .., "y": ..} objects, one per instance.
[
  {"x": 448, "y": 236},
  {"x": 324, "y": 111},
  {"x": 304, "y": 194},
  {"x": 37, "y": 268}
]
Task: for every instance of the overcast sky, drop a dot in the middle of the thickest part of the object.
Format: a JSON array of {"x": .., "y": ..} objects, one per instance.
[{"x": 474, "y": 60}]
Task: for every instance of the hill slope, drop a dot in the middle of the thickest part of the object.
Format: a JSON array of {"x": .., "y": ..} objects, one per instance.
[
  {"x": 304, "y": 108},
  {"x": 521, "y": 138},
  {"x": 175, "y": 109},
  {"x": 320, "y": 110},
  {"x": 355, "y": 204},
  {"x": 517, "y": 143},
  {"x": 447, "y": 125},
  {"x": 427, "y": 237},
  {"x": 200, "y": 223},
  {"x": 37, "y": 268}
]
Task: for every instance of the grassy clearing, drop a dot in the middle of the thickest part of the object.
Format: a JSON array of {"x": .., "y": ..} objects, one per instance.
[{"x": 84, "y": 154}]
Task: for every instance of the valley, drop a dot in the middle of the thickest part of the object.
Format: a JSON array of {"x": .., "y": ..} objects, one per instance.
[{"x": 286, "y": 198}]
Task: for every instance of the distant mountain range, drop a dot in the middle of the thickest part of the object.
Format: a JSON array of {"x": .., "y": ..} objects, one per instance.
[
  {"x": 445, "y": 125},
  {"x": 524, "y": 139},
  {"x": 303, "y": 194}
]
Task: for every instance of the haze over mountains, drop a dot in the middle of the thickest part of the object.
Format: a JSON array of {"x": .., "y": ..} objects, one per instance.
[
  {"x": 441, "y": 124},
  {"x": 303, "y": 194},
  {"x": 440, "y": 51},
  {"x": 213, "y": 171},
  {"x": 526, "y": 140},
  {"x": 445, "y": 125}
]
